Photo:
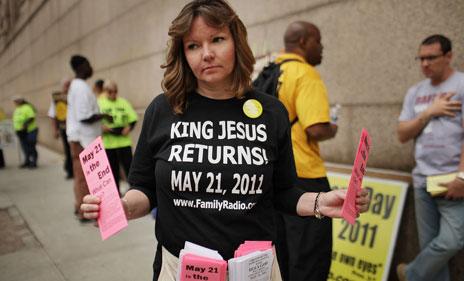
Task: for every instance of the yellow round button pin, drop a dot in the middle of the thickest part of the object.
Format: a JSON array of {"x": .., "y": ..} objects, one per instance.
[{"x": 252, "y": 108}]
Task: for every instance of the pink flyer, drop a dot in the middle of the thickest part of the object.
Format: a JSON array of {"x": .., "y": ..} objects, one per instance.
[
  {"x": 195, "y": 267},
  {"x": 349, "y": 211},
  {"x": 101, "y": 183}
]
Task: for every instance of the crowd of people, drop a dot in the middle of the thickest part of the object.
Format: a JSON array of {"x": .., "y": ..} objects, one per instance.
[
  {"x": 78, "y": 115},
  {"x": 211, "y": 123}
]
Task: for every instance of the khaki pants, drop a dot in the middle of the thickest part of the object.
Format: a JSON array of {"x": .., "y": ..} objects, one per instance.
[
  {"x": 170, "y": 263},
  {"x": 80, "y": 185}
]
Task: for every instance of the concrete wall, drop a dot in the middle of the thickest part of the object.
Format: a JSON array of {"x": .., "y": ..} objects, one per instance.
[
  {"x": 368, "y": 63},
  {"x": 369, "y": 50}
]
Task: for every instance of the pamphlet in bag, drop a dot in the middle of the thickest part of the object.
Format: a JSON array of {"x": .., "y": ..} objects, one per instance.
[
  {"x": 200, "y": 263},
  {"x": 253, "y": 262}
]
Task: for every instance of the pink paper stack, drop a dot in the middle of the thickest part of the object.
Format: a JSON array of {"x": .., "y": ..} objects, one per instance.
[{"x": 252, "y": 246}]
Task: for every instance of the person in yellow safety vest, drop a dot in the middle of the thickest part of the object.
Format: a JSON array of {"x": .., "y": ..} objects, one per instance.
[
  {"x": 25, "y": 126},
  {"x": 116, "y": 139}
]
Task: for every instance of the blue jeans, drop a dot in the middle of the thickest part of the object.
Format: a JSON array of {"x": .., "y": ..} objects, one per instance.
[
  {"x": 440, "y": 225},
  {"x": 28, "y": 141}
]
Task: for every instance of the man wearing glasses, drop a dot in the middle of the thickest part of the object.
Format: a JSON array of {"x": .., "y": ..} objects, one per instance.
[{"x": 432, "y": 117}]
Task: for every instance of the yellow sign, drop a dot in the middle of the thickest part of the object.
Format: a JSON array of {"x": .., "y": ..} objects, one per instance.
[{"x": 364, "y": 250}]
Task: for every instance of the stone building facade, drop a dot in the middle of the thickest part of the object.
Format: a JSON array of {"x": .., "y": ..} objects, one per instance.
[{"x": 369, "y": 50}]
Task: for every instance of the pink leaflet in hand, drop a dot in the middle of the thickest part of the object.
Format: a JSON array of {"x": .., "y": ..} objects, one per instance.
[
  {"x": 100, "y": 181},
  {"x": 349, "y": 212}
]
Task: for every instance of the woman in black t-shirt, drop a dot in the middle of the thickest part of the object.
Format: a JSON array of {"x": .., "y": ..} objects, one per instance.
[{"x": 214, "y": 155}]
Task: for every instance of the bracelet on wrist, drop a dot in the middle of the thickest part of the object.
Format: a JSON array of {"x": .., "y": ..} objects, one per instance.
[{"x": 317, "y": 211}]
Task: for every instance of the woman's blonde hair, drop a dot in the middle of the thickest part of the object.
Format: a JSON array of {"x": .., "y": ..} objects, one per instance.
[{"x": 179, "y": 79}]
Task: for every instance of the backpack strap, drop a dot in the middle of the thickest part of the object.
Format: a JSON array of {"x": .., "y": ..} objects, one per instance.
[
  {"x": 288, "y": 60},
  {"x": 294, "y": 122},
  {"x": 282, "y": 62}
]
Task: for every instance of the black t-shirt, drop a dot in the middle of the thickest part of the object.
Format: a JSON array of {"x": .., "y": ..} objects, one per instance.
[{"x": 215, "y": 174}]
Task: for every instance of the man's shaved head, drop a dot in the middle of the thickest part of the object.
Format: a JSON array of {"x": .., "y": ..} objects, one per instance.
[
  {"x": 296, "y": 31},
  {"x": 304, "y": 38}
]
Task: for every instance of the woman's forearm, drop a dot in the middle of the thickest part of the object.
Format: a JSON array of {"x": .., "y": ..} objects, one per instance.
[{"x": 136, "y": 204}]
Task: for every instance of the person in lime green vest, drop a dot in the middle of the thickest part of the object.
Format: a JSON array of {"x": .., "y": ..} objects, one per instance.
[
  {"x": 116, "y": 139},
  {"x": 25, "y": 126}
]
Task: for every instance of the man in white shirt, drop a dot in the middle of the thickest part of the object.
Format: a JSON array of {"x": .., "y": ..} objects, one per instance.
[{"x": 82, "y": 123}]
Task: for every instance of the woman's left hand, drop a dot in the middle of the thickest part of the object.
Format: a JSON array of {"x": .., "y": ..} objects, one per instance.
[{"x": 331, "y": 203}]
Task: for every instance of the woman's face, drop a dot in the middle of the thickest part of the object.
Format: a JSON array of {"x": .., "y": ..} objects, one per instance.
[{"x": 210, "y": 53}]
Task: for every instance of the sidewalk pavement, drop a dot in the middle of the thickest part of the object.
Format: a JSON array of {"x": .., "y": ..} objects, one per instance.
[{"x": 41, "y": 240}]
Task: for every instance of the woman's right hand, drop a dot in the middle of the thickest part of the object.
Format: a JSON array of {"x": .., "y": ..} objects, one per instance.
[{"x": 90, "y": 207}]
